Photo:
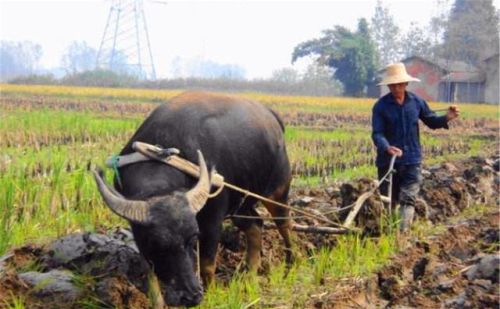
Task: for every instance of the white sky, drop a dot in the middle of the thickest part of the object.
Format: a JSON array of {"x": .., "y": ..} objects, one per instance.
[{"x": 257, "y": 35}]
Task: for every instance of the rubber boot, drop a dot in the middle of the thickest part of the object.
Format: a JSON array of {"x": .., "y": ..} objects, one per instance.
[{"x": 406, "y": 213}]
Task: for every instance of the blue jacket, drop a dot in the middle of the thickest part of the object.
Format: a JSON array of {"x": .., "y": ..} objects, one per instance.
[{"x": 397, "y": 125}]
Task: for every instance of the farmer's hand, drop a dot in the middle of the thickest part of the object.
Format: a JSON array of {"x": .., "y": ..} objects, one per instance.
[
  {"x": 452, "y": 113},
  {"x": 394, "y": 151}
]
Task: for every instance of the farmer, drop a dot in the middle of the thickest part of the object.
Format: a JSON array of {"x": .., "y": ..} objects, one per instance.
[{"x": 395, "y": 131}]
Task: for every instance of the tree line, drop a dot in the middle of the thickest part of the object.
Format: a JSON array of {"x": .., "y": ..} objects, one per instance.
[
  {"x": 344, "y": 61},
  {"x": 468, "y": 33}
]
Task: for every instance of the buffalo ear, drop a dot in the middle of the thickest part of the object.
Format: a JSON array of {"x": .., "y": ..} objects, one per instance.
[
  {"x": 135, "y": 211},
  {"x": 198, "y": 195}
]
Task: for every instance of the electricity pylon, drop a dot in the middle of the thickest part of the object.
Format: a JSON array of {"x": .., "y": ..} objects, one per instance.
[{"x": 125, "y": 45}]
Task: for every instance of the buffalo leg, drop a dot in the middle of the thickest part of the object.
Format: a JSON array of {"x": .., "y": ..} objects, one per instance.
[
  {"x": 254, "y": 245},
  {"x": 252, "y": 228},
  {"x": 284, "y": 225},
  {"x": 209, "y": 242},
  {"x": 207, "y": 270}
]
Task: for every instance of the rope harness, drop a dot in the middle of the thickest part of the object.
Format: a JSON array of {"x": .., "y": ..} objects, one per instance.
[
  {"x": 114, "y": 165},
  {"x": 146, "y": 152}
]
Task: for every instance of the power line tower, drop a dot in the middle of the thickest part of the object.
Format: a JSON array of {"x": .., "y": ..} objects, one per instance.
[{"x": 125, "y": 45}]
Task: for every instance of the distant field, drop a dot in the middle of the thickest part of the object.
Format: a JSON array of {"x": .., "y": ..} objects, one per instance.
[
  {"x": 280, "y": 102},
  {"x": 51, "y": 136}
]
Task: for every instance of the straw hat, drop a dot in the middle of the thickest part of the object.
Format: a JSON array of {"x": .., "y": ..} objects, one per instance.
[{"x": 396, "y": 73}]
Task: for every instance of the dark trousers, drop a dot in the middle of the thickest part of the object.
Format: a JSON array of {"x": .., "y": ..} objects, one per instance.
[{"x": 406, "y": 183}]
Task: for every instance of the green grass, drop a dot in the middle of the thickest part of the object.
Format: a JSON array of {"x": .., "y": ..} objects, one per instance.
[
  {"x": 294, "y": 134},
  {"x": 47, "y": 191},
  {"x": 41, "y": 128},
  {"x": 14, "y": 302},
  {"x": 353, "y": 256}
]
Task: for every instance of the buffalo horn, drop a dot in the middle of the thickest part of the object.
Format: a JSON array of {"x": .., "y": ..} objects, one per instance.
[
  {"x": 197, "y": 196},
  {"x": 135, "y": 211}
]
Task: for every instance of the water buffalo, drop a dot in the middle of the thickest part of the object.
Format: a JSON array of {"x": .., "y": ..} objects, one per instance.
[{"x": 244, "y": 141}]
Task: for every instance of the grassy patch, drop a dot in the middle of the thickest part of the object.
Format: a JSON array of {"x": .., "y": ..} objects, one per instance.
[
  {"x": 352, "y": 256},
  {"x": 14, "y": 302}
]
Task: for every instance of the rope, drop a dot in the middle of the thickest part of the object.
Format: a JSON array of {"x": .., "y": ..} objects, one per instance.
[
  {"x": 266, "y": 218},
  {"x": 218, "y": 181},
  {"x": 265, "y": 199},
  {"x": 292, "y": 217},
  {"x": 305, "y": 214},
  {"x": 302, "y": 217},
  {"x": 217, "y": 192},
  {"x": 193, "y": 170}
]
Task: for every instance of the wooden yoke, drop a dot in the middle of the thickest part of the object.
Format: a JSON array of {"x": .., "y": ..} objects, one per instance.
[{"x": 189, "y": 168}]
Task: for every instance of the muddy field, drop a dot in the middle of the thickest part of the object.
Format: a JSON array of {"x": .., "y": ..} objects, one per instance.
[{"x": 457, "y": 267}]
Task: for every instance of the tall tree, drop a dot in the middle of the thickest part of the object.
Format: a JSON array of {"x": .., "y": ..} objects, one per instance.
[
  {"x": 437, "y": 24},
  {"x": 416, "y": 42},
  {"x": 386, "y": 35},
  {"x": 18, "y": 58},
  {"x": 371, "y": 57},
  {"x": 318, "y": 79},
  {"x": 472, "y": 31},
  {"x": 285, "y": 75},
  {"x": 79, "y": 57},
  {"x": 351, "y": 55}
]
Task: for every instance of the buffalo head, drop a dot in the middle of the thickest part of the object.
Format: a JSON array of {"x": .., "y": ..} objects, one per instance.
[{"x": 166, "y": 232}]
